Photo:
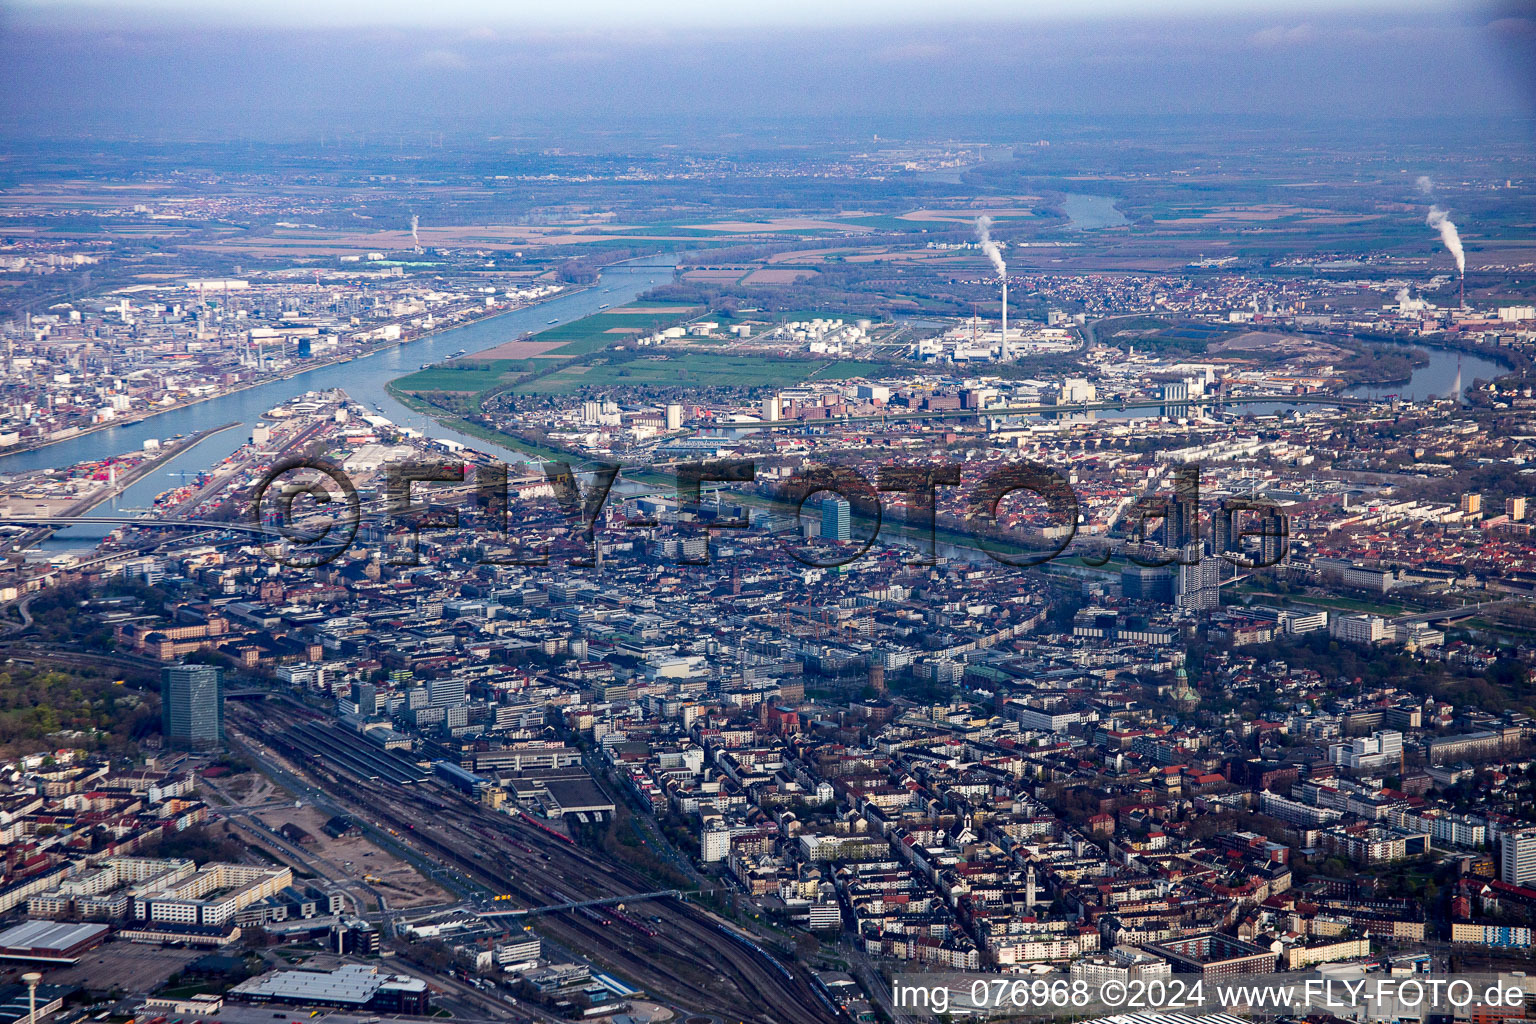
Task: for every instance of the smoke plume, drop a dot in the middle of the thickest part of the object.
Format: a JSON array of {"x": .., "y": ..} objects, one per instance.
[
  {"x": 416, "y": 241},
  {"x": 1426, "y": 186},
  {"x": 984, "y": 235},
  {"x": 1440, "y": 220},
  {"x": 1406, "y": 303}
]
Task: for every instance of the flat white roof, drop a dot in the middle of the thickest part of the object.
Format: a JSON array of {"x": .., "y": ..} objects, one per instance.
[
  {"x": 48, "y": 935},
  {"x": 349, "y": 983}
]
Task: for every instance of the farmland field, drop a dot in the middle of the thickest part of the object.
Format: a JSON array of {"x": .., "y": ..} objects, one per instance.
[
  {"x": 701, "y": 370},
  {"x": 490, "y": 368},
  {"x": 463, "y": 375},
  {"x": 610, "y": 327}
]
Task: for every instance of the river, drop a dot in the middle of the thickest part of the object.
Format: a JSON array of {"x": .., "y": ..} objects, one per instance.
[
  {"x": 1089, "y": 213},
  {"x": 363, "y": 379},
  {"x": 1436, "y": 380}
]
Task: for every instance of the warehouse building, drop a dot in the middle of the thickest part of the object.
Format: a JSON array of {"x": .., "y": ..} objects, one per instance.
[
  {"x": 50, "y": 942},
  {"x": 350, "y": 986}
]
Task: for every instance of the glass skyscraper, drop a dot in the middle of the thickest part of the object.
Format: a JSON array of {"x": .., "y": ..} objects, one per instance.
[
  {"x": 835, "y": 519},
  {"x": 192, "y": 705}
]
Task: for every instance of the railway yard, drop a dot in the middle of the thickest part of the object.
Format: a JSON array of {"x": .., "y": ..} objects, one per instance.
[{"x": 651, "y": 943}]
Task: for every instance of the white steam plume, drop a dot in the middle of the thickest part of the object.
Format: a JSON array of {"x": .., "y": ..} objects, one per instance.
[
  {"x": 984, "y": 235},
  {"x": 1406, "y": 303},
  {"x": 1426, "y": 186},
  {"x": 415, "y": 240},
  {"x": 1440, "y": 220}
]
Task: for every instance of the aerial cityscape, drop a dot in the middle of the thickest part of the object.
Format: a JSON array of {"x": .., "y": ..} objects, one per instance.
[{"x": 775, "y": 515}]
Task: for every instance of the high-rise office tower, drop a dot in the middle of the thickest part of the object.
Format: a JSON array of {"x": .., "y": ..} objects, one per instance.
[
  {"x": 1275, "y": 542},
  {"x": 192, "y": 705},
  {"x": 366, "y": 697},
  {"x": 1181, "y": 523},
  {"x": 446, "y": 692},
  {"x": 1517, "y": 857},
  {"x": 1221, "y": 530},
  {"x": 836, "y": 519},
  {"x": 1197, "y": 585}
]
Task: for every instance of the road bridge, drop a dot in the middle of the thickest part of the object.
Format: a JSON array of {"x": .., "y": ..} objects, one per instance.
[
  {"x": 1466, "y": 611},
  {"x": 184, "y": 524}
]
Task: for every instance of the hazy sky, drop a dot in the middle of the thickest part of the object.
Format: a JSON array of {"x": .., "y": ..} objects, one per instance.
[
  {"x": 171, "y": 67},
  {"x": 680, "y": 13}
]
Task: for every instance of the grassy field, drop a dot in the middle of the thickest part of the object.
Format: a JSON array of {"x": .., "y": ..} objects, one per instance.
[
  {"x": 700, "y": 370},
  {"x": 579, "y": 338},
  {"x": 610, "y": 327},
  {"x": 842, "y": 369},
  {"x": 892, "y": 222},
  {"x": 464, "y": 375}
]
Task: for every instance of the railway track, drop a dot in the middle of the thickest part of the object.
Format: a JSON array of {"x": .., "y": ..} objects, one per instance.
[
  {"x": 749, "y": 983},
  {"x": 660, "y": 963}
]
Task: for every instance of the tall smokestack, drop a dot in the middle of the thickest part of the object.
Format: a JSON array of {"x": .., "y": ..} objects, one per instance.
[{"x": 1003, "y": 357}]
